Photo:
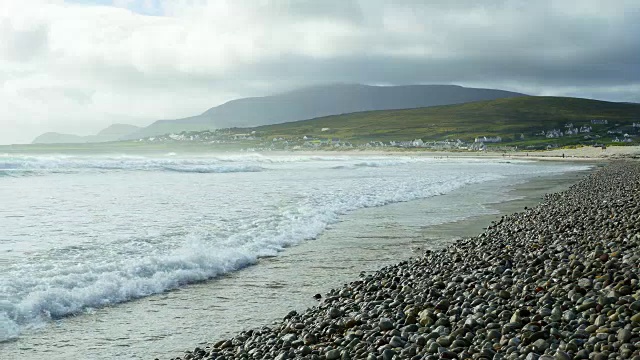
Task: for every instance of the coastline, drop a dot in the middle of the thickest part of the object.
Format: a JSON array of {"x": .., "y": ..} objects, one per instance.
[
  {"x": 527, "y": 194},
  {"x": 580, "y": 154},
  {"x": 164, "y": 323},
  {"x": 584, "y": 153},
  {"x": 432, "y": 236},
  {"x": 479, "y": 298}
]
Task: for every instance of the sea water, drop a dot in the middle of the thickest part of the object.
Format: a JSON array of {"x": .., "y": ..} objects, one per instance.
[{"x": 91, "y": 247}]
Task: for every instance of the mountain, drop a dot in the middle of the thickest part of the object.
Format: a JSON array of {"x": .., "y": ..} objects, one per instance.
[
  {"x": 509, "y": 118},
  {"x": 112, "y": 133},
  {"x": 116, "y": 131},
  {"x": 58, "y": 138},
  {"x": 320, "y": 101}
]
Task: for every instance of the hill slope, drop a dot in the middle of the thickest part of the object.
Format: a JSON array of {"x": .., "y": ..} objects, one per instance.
[
  {"x": 58, "y": 138},
  {"x": 503, "y": 117},
  {"x": 112, "y": 133},
  {"x": 319, "y": 101},
  {"x": 116, "y": 131}
]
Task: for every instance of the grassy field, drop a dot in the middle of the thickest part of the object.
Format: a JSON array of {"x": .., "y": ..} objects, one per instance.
[{"x": 508, "y": 118}]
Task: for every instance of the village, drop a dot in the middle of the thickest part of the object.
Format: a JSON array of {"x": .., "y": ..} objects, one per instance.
[{"x": 544, "y": 139}]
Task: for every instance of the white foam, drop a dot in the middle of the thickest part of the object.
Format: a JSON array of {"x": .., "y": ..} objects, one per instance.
[
  {"x": 42, "y": 165},
  {"x": 9, "y": 329},
  {"x": 205, "y": 169}
]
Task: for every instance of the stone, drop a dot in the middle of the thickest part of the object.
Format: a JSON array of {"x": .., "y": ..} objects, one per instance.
[
  {"x": 540, "y": 345},
  {"x": 561, "y": 355},
  {"x": 332, "y": 354},
  {"x": 568, "y": 315},
  {"x": 532, "y": 356},
  {"x": 494, "y": 335},
  {"x": 305, "y": 350},
  {"x": 586, "y": 306},
  {"x": 388, "y": 354},
  {"x": 425, "y": 319},
  {"x": 624, "y": 335},
  {"x": 385, "y": 324},
  {"x": 334, "y": 313},
  {"x": 396, "y": 341},
  {"x": 442, "y": 305},
  {"x": 309, "y": 339},
  {"x": 443, "y": 341},
  {"x": 601, "y": 320}
]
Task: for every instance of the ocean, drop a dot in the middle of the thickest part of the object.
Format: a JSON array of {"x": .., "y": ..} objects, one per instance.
[{"x": 137, "y": 257}]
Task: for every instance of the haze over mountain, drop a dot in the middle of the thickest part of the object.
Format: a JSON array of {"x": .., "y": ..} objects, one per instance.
[
  {"x": 111, "y": 133},
  {"x": 317, "y": 101}
]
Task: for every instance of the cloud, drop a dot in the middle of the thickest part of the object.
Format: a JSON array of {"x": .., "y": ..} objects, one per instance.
[{"x": 78, "y": 66}]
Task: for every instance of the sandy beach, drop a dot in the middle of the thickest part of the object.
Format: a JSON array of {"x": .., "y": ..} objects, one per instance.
[
  {"x": 581, "y": 153},
  {"x": 585, "y": 153}
]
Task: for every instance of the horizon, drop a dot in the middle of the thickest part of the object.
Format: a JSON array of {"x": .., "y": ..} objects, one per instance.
[{"x": 78, "y": 66}]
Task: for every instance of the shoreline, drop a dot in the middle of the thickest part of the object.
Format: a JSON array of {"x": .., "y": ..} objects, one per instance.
[
  {"x": 357, "y": 246},
  {"x": 440, "y": 305},
  {"x": 527, "y": 194},
  {"x": 584, "y": 153}
]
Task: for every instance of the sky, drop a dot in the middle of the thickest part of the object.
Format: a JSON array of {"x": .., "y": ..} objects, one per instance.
[{"x": 77, "y": 66}]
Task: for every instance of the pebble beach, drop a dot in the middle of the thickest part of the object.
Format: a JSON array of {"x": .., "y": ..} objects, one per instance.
[{"x": 555, "y": 281}]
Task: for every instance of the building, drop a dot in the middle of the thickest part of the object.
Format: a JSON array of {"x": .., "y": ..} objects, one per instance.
[
  {"x": 600, "y": 121},
  {"x": 554, "y": 133},
  {"x": 489, "y": 139}
]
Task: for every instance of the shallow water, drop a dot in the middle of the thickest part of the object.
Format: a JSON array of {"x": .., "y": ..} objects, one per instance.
[{"x": 79, "y": 239}]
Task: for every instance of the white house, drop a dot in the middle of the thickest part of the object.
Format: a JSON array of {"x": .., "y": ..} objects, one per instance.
[
  {"x": 489, "y": 139},
  {"x": 555, "y": 133},
  {"x": 418, "y": 143},
  {"x": 478, "y": 146}
]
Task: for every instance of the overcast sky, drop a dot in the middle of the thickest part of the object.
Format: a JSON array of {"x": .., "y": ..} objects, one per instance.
[{"x": 79, "y": 65}]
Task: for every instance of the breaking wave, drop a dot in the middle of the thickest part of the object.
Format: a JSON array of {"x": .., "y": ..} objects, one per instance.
[{"x": 28, "y": 166}]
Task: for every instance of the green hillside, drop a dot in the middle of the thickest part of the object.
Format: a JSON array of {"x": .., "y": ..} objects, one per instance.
[{"x": 509, "y": 118}]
